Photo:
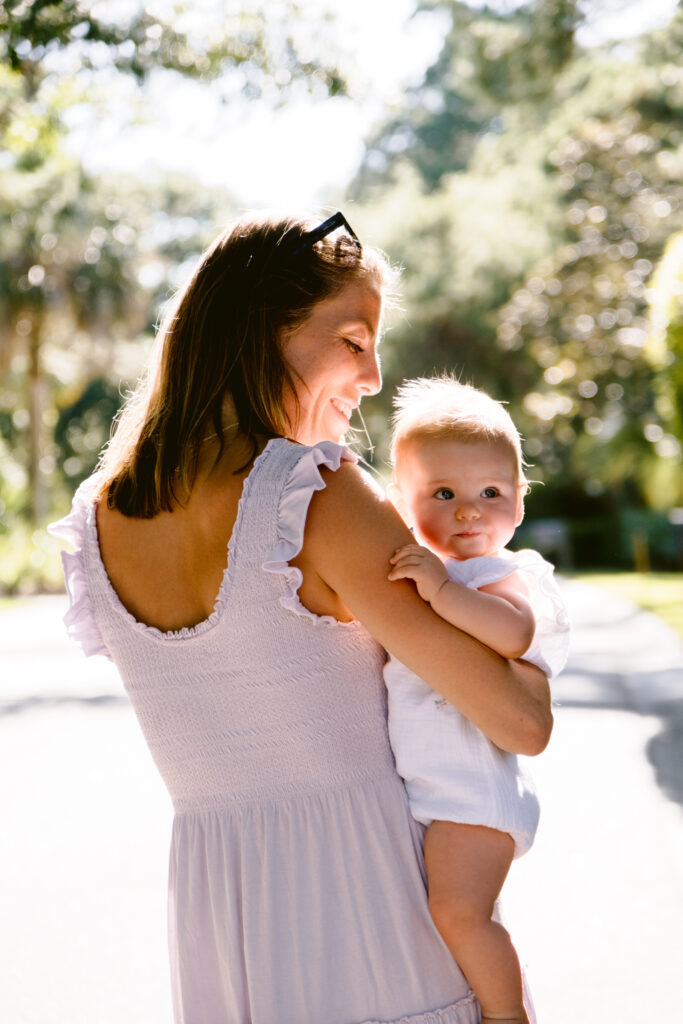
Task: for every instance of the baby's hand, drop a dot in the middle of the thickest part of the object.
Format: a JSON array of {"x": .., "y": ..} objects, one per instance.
[{"x": 414, "y": 562}]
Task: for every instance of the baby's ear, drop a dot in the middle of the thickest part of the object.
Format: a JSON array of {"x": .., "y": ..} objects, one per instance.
[
  {"x": 395, "y": 496},
  {"x": 519, "y": 511}
]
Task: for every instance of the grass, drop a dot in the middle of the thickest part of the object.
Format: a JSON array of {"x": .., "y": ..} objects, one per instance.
[{"x": 658, "y": 592}]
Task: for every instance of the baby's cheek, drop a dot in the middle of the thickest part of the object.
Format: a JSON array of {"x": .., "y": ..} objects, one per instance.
[
  {"x": 422, "y": 530},
  {"x": 430, "y": 528}
]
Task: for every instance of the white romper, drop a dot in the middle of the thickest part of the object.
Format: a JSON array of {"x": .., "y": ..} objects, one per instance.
[{"x": 451, "y": 770}]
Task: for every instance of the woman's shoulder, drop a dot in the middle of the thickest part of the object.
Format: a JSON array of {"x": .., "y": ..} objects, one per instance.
[
  {"x": 349, "y": 489},
  {"x": 325, "y": 453},
  {"x": 326, "y": 467},
  {"x": 351, "y": 523},
  {"x": 324, "y": 487}
]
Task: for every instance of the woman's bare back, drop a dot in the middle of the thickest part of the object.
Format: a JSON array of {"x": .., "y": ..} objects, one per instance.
[{"x": 167, "y": 570}]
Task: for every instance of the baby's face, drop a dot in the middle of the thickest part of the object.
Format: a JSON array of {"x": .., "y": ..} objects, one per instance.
[{"x": 463, "y": 499}]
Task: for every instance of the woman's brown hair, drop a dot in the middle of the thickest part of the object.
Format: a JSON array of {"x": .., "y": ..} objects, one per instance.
[{"x": 222, "y": 337}]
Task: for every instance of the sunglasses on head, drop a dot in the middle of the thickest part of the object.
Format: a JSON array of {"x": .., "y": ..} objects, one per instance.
[{"x": 337, "y": 220}]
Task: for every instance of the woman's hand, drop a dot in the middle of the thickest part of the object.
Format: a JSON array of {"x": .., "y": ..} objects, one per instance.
[{"x": 414, "y": 562}]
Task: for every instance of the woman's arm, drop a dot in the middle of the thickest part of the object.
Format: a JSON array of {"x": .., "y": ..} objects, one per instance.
[
  {"x": 499, "y": 614},
  {"x": 351, "y": 533}
]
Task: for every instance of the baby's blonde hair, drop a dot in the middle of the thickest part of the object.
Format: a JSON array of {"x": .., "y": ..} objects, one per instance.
[{"x": 441, "y": 408}]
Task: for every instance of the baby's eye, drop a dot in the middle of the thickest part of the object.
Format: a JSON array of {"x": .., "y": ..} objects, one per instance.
[
  {"x": 490, "y": 492},
  {"x": 444, "y": 494}
]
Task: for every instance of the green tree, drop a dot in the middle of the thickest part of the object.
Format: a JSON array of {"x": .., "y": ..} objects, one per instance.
[
  {"x": 595, "y": 404},
  {"x": 87, "y": 262},
  {"x": 495, "y": 69},
  {"x": 87, "y": 265},
  {"x": 529, "y": 268},
  {"x": 664, "y": 352},
  {"x": 261, "y": 44}
]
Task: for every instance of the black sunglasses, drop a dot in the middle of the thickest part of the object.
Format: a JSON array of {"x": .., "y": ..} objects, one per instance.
[{"x": 337, "y": 220}]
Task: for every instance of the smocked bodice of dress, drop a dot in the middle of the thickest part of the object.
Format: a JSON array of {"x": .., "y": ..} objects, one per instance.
[{"x": 255, "y": 700}]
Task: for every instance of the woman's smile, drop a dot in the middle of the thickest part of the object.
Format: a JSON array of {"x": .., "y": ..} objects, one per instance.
[{"x": 345, "y": 408}]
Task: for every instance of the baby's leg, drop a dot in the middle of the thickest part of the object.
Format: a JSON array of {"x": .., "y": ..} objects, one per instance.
[{"x": 466, "y": 868}]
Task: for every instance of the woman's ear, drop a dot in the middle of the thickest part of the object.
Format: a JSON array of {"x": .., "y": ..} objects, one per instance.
[{"x": 395, "y": 496}]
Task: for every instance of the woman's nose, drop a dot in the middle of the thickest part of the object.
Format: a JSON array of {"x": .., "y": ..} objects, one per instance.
[{"x": 371, "y": 375}]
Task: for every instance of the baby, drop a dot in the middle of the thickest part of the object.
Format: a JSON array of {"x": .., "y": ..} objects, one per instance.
[{"x": 458, "y": 482}]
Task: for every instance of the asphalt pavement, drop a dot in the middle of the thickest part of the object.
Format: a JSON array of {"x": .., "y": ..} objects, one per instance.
[{"x": 596, "y": 908}]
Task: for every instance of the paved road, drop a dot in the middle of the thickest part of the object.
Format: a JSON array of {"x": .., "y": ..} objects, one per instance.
[
  {"x": 597, "y": 905},
  {"x": 596, "y": 908}
]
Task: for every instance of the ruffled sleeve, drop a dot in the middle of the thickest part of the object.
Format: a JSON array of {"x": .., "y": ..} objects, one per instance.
[
  {"x": 550, "y": 646},
  {"x": 79, "y": 620},
  {"x": 304, "y": 479}
]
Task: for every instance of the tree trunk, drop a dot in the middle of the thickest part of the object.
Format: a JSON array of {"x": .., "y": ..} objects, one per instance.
[{"x": 36, "y": 484}]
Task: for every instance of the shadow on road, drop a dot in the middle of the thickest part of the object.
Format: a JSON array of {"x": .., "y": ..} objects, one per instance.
[
  {"x": 642, "y": 693},
  {"x": 40, "y": 703},
  {"x": 665, "y": 752}
]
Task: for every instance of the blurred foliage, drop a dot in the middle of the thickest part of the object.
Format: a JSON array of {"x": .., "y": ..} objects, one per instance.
[
  {"x": 30, "y": 561},
  {"x": 543, "y": 255},
  {"x": 664, "y": 346},
  {"x": 86, "y": 266},
  {"x": 493, "y": 63},
  {"x": 582, "y": 312},
  {"x": 88, "y": 262},
  {"x": 264, "y": 47}
]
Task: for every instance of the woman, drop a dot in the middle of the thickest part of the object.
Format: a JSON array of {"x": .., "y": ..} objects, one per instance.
[{"x": 296, "y": 888}]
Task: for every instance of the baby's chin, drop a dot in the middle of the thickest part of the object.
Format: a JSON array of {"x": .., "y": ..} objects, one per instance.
[{"x": 464, "y": 551}]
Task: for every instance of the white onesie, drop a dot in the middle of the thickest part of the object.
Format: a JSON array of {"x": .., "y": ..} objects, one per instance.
[{"x": 451, "y": 770}]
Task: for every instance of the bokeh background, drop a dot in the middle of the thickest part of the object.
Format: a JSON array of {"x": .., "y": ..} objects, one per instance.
[{"x": 523, "y": 163}]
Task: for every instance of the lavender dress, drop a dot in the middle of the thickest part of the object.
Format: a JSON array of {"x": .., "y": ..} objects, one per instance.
[{"x": 297, "y": 888}]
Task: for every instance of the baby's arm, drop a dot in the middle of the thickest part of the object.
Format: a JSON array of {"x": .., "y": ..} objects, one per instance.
[{"x": 499, "y": 615}]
